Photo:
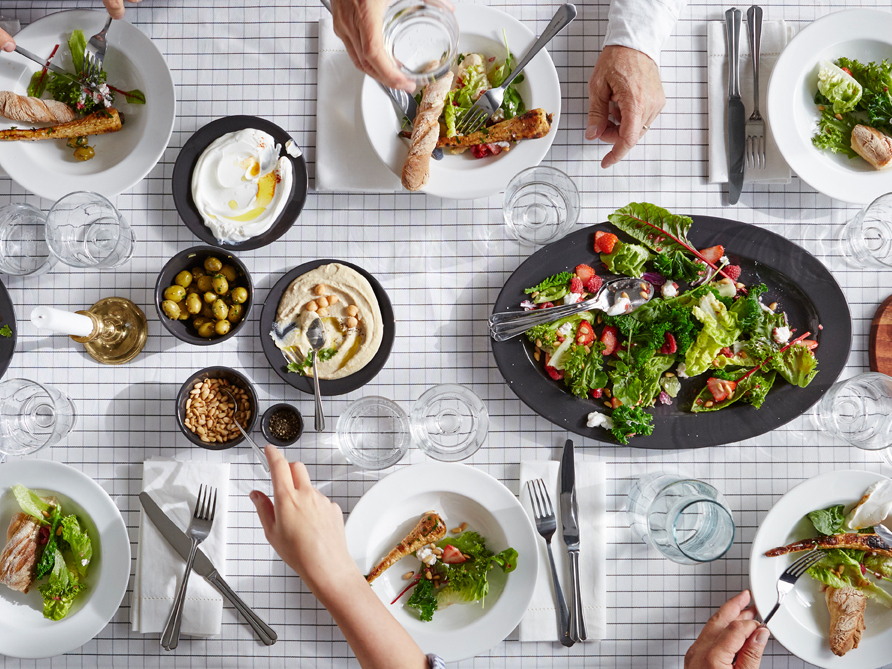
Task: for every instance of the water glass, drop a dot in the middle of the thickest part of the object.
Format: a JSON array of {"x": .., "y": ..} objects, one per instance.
[
  {"x": 373, "y": 433},
  {"x": 23, "y": 247},
  {"x": 859, "y": 411},
  {"x": 85, "y": 230},
  {"x": 32, "y": 416},
  {"x": 866, "y": 240},
  {"x": 421, "y": 36},
  {"x": 688, "y": 521},
  {"x": 541, "y": 205},
  {"x": 449, "y": 422}
]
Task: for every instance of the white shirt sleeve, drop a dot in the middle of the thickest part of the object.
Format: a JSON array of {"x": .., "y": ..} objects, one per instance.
[{"x": 644, "y": 25}]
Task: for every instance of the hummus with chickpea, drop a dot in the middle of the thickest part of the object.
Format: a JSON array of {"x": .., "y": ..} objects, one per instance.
[{"x": 351, "y": 318}]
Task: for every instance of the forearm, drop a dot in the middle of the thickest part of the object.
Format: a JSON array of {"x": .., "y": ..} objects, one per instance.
[{"x": 644, "y": 25}]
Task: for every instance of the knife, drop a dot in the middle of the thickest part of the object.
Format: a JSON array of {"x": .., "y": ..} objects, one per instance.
[
  {"x": 570, "y": 524},
  {"x": 203, "y": 566},
  {"x": 736, "y": 114},
  {"x": 58, "y": 70}
]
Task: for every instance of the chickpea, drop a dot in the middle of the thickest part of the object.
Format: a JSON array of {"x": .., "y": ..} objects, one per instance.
[
  {"x": 183, "y": 279},
  {"x": 239, "y": 295},
  {"x": 322, "y": 301},
  {"x": 320, "y": 289},
  {"x": 312, "y": 306},
  {"x": 352, "y": 310},
  {"x": 322, "y": 313},
  {"x": 207, "y": 312},
  {"x": 222, "y": 327},
  {"x": 333, "y": 299},
  {"x": 171, "y": 309},
  {"x": 197, "y": 272},
  {"x": 352, "y": 322},
  {"x": 206, "y": 330},
  {"x": 205, "y": 283},
  {"x": 221, "y": 310},
  {"x": 210, "y": 297},
  {"x": 193, "y": 303},
  {"x": 221, "y": 285},
  {"x": 212, "y": 264},
  {"x": 229, "y": 272},
  {"x": 84, "y": 153},
  {"x": 174, "y": 293},
  {"x": 235, "y": 313}
]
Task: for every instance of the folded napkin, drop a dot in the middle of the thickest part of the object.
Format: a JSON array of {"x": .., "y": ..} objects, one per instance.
[
  {"x": 345, "y": 159},
  {"x": 159, "y": 570},
  {"x": 775, "y": 36},
  {"x": 540, "y": 621}
]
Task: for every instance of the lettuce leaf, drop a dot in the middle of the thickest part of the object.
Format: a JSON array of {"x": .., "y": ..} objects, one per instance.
[
  {"x": 752, "y": 390},
  {"x": 584, "y": 371},
  {"x": 46, "y": 560},
  {"x": 635, "y": 385},
  {"x": 507, "y": 560},
  {"x": 826, "y": 572},
  {"x": 828, "y": 521},
  {"x": 720, "y": 329},
  {"x": 677, "y": 266},
  {"x": 653, "y": 226},
  {"x": 628, "y": 259},
  {"x": 839, "y": 87},
  {"x": 424, "y": 600},
  {"x": 78, "y": 45},
  {"x": 797, "y": 365},
  {"x": 61, "y": 589},
  {"x": 30, "y": 502},
  {"x": 467, "y": 582},
  {"x": 79, "y": 545},
  {"x": 629, "y": 422}
]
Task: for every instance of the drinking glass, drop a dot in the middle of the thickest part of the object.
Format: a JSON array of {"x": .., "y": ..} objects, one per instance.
[
  {"x": 541, "y": 205},
  {"x": 859, "y": 411},
  {"x": 85, "y": 230},
  {"x": 688, "y": 521},
  {"x": 32, "y": 416},
  {"x": 866, "y": 240},
  {"x": 421, "y": 36},
  {"x": 373, "y": 433},
  {"x": 23, "y": 247},
  {"x": 449, "y": 422}
]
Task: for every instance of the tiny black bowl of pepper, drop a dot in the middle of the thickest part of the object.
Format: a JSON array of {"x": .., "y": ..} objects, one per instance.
[{"x": 282, "y": 424}]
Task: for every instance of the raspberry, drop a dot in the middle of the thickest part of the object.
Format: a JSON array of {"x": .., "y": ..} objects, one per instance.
[
  {"x": 732, "y": 272},
  {"x": 597, "y": 393},
  {"x": 594, "y": 284},
  {"x": 575, "y": 285}
]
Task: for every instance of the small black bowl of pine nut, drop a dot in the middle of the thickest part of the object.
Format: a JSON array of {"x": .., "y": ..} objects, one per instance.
[{"x": 205, "y": 412}]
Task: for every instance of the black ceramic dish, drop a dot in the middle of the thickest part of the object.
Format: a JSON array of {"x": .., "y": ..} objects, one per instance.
[
  {"x": 188, "y": 259},
  {"x": 265, "y": 428},
  {"x": 235, "y": 378},
  {"x": 326, "y": 387},
  {"x": 796, "y": 280},
  {"x": 192, "y": 150},
  {"x": 7, "y": 317}
]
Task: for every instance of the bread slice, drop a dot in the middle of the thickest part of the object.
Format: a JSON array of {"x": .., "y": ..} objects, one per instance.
[
  {"x": 34, "y": 110},
  {"x": 425, "y": 130},
  {"x": 97, "y": 123},
  {"x": 846, "y": 606}
]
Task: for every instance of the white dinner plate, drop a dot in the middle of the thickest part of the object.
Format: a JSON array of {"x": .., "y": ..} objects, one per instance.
[
  {"x": 459, "y": 493},
  {"x": 48, "y": 167},
  {"x": 862, "y": 34},
  {"x": 802, "y": 624},
  {"x": 462, "y": 176},
  {"x": 24, "y": 631}
]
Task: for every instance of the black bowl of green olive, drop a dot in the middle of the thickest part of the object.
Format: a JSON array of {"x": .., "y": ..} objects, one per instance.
[{"x": 204, "y": 295}]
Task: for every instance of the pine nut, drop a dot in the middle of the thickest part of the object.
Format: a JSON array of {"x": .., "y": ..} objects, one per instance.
[
  {"x": 408, "y": 575},
  {"x": 455, "y": 530},
  {"x": 463, "y": 527}
]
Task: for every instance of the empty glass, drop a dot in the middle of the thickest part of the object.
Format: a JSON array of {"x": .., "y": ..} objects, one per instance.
[
  {"x": 859, "y": 411},
  {"x": 32, "y": 416},
  {"x": 541, "y": 205},
  {"x": 373, "y": 433},
  {"x": 688, "y": 521},
  {"x": 23, "y": 247},
  {"x": 866, "y": 240},
  {"x": 422, "y": 38},
  {"x": 449, "y": 422},
  {"x": 85, "y": 230}
]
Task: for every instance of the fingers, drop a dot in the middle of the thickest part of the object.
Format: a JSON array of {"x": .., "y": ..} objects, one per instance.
[
  {"x": 280, "y": 473},
  {"x": 300, "y": 476},
  {"x": 750, "y": 655},
  {"x": 748, "y": 613},
  {"x": 115, "y": 8},
  {"x": 630, "y": 130},
  {"x": 7, "y": 43},
  {"x": 374, "y": 59},
  {"x": 599, "y": 106},
  {"x": 265, "y": 510},
  {"x": 729, "y": 611},
  {"x": 732, "y": 639}
]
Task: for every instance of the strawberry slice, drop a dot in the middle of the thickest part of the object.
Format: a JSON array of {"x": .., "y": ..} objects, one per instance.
[
  {"x": 605, "y": 241},
  {"x": 546, "y": 305},
  {"x": 609, "y": 339},
  {"x": 727, "y": 352},
  {"x": 585, "y": 334},
  {"x": 721, "y": 389},
  {"x": 584, "y": 272},
  {"x": 555, "y": 374},
  {"x": 576, "y": 285},
  {"x": 732, "y": 272},
  {"x": 451, "y": 555},
  {"x": 713, "y": 254},
  {"x": 480, "y": 151},
  {"x": 669, "y": 344},
  {"x": 593, "y": 285},
  {"x": 494, "y": 149},
  {"x": 810, "y": 344}
]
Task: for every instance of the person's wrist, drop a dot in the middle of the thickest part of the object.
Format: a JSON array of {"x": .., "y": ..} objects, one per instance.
[{"x": 337, "y": 585}]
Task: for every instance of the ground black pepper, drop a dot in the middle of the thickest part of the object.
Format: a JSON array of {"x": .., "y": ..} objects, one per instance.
[{"x": 284, "y": 424}]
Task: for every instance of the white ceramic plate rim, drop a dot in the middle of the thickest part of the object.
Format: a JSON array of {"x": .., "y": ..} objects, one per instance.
[
  {"x": 861, "y": 33},
  {"x": 464, "y": 177},
  {"x": 504, "y": 613},
  {"x": 25, "y": 641},
  {"x": 841, "y": 487},
  {"x": 18, "y": 159}
]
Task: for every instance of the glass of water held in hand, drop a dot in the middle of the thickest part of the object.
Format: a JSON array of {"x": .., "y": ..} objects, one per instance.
[
  {"x": 859, "y": 411},
  {"x": 421, "y": 36},
  {"x": 32, "y": 416},
  {"x": 85, "y": 230}
]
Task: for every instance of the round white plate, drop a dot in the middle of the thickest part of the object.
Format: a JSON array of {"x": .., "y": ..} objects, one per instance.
[
  {"x": 802, "y": 624},
  {"x": 25, "y": 632},
  {"x": 461, "y": 176},
  {"x": 48, "y": 167},
  {"x": 459, "y": 493},
  {"x": 864, "y": 34}
]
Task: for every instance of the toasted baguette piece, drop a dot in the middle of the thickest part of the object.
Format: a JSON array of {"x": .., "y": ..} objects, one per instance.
[
  {"x": 532, "y": 124},
  {"x": 425, "y": 130},
  {"x": 34, "y": 110},
  {"x": 846, "y": 606},
  {"x": 97, "y": 123},
  {"x": 872, "y": 145},
  {"x": 19, "y": 556},
  {"x": 428, "y": 530}
]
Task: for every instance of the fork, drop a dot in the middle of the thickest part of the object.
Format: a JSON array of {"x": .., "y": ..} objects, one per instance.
[
  {"x": 791, "y": 574},
  {"x": 199, "y": 529},
  {"x": 94, "y": 54},
  {"x": 546, "y": 524},
  {"x": 755, "y": 125},
  {"x": 488, "y": 103}
]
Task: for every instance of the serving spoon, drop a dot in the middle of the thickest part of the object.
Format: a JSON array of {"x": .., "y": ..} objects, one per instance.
[
  {"x": 316, "y": 337},
  {"x": 257, "y": 451},
  {"x": 507, "y": 324}
]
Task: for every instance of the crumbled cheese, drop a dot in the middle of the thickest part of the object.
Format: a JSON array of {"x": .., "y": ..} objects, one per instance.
[
  {"x": 528, "y": 305},
  {"x": 292, "y": 149},
  {"x": 764, "y": 308},
  {"x": 737, "y": 347},
  {"x": 566, "y": 329},
  {"x": 680, "y": 371},
  {"x": 669, "y": 290},
  {"x": 426, "y": 555},
  {"x": 724, "y": 260},
  {"x": 571, "y": 298},
  {"x": 781, "y": 335},
  {"x": 619, "y": 307},
  {"x": 598, "y": 419}
]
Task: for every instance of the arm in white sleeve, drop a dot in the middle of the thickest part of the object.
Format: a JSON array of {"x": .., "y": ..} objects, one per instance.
[{"x": 644, "y": 25}]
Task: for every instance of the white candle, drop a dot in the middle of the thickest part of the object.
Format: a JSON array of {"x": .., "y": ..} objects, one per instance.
[{"x": 63, "y": 322}]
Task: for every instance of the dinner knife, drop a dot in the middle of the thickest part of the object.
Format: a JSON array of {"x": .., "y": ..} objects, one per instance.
[
  {"x": 58, "y": 70},
  {"x": 570, "y": 524},
  {"x": 736, "y": 113},
  {"x": 203, "y": 566}
]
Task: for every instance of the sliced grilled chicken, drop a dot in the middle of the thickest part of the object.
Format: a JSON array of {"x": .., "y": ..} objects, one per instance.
[
  {"x": 858, "y": 542},
  {"x": 429, "y": 529},
  {"x": 19, "y": 556},
  {"x": 846, "y": 607},
  {"x": 872, "y": 145}
]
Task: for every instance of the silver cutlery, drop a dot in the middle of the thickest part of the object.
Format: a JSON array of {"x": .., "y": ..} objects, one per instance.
[
  {"x": 755, "y": 126},
  {"x": 488, "y": 103},
  {"x": 546, "y": 525},
  {"x": 257, "y": 451},
  {"x": 736, "y": 113},
  {"x": 203, "y": 566},
  {"x": 791, "y": 574},
  {"x": 58, "y": 70},
  {"x": 316, "y": 337},
  {"x": 199, "y": 529},
  {"x": 883, "y": 533},
  {"x": 570, "y": 526},
  {"x": 507, "y": 324},
  {"x": 94, "y": 54}
]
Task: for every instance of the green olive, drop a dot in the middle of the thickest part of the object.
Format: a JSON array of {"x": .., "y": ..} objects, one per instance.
[
  {"x": 171, "y": 309},
  {"x": 193, "y": 289},
  {"x": 207, "y": 312},
  {"x": 84, "y": 153},
  {"x": 184, "y": 315},
  {"x": 183, "y": 279},
  {"x": 220, "y": 310},
  {"x": 221, "y": 285},
  {"x": 197, "y": 272},
  {"x": 193, "y": 303},
  {"x": 210, "y": 297},
  {"x": 76, "y": 142},
  {"x": 198, "y": 321},
  {"x": 205, "y": 283},
  {"x": 235, "y": 313},
  {"x": 239, "y": 295},
  {"x": 212, "y": 264},
  {"x": 206, "y": 330},
  {"x": 229, "y": 272},
  {"x": 222, "y": 327},
  {"x": 175, "y": 293}
]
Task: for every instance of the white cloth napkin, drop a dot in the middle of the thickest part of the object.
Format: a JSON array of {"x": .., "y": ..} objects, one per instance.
[
  {"x": 159, "y": 570},
  {"x": 345, "y": 159},
  {"x": 775, "y": 36},
  {"x": 540, "y": 621}
]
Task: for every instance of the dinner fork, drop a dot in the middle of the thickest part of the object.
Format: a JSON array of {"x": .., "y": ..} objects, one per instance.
[
  {"x": 546, "y": 524},
  {"x": 488, "y": 103},
  {"x": 199, "y": 529},
  {"x": 755, "y": 125},
  {"x": 94, "y": 54},
  {"x": 791, "y": 574}
]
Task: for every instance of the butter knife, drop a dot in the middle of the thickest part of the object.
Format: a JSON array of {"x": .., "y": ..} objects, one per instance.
[
  {"x": 736, "y": 113},
  {"x": 58, "y": 70},
  {"x": 203, "y": 566},
  {"x": 570, "y": 524}
]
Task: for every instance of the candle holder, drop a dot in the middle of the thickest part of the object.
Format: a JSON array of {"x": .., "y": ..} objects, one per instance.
[{"x": 119, "y": 331}]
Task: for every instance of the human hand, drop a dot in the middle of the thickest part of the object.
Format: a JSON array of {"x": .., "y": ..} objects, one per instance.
[
  {"x": 116, "y": 7},
  {"x": 631, "y": 81},
  {"x": 731, "y": 639},
  {"x": 7, "y": 43}
]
